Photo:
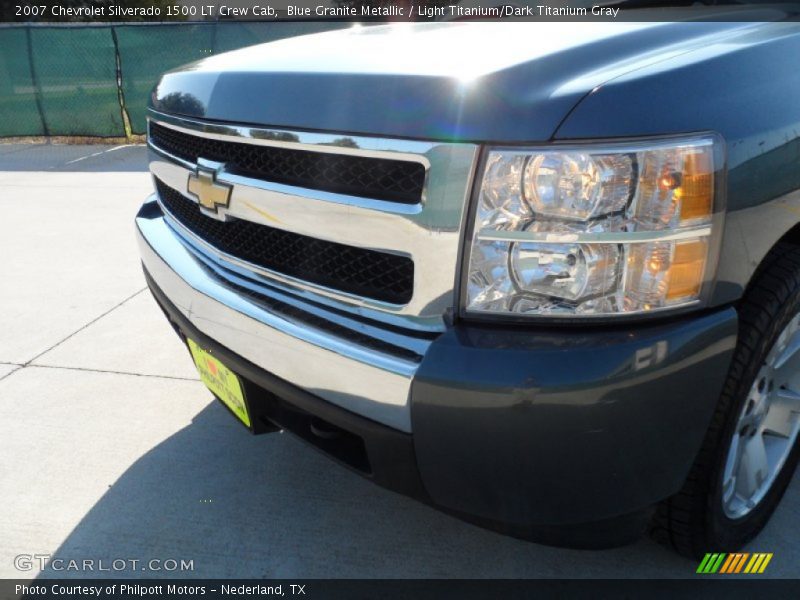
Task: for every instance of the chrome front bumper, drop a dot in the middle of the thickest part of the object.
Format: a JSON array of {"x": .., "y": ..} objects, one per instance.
[{"x": 343, "y": 371}]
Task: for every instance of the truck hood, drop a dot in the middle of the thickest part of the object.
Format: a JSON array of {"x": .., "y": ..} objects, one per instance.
[{"x": 509, "y": 82}]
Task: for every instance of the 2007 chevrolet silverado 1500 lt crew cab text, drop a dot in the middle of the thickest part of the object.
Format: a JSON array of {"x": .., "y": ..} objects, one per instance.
[{"x": 542, "y": 276}]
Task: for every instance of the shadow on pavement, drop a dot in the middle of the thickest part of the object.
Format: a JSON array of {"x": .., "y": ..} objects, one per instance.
[{"x": 269, "y": 506}]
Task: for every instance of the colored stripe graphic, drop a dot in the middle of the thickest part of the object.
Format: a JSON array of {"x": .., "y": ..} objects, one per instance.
[
  {"x": 718, "y": 563},
  {"x": 758, "y": 563},
  {"x": 703, "y": 563},
  {"x": 740, "y": 564},
  {"x": 765, "y": 563},
  {"x": 726, "y": 566},
  {"x": 730, "y": 564},
  {"x": 711, "y": 563},
  {"x": 753, "y": 564},
  {"x": 723, "y": 563},
  {"x": 735, "y": 560}
]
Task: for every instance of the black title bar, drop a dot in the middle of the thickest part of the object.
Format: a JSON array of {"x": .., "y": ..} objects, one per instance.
[
  {"x": 212, "y": 589},
  {"x": 88, "y": 11}
]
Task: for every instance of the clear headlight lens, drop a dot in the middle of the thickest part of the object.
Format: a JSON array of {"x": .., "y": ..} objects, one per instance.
[
  {"x": 577, "y": 185},
  {"x": 569, "y": 271},
  {"x": 594, "y": 231}
]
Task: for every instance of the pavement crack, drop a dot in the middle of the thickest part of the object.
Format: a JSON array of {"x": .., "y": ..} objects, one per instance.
[
  {"x": 89, "y": 324},
  {"x": 110, "y": 372},
  {"x": 12, "y": 371}
]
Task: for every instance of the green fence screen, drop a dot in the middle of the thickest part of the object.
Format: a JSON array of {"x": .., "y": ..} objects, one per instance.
[
  {"x": 174, "y": 45},
  {"x": 77, "y": 82},
  {"x": 19, "y": 114},
  {"x": 66, "y": 80}
]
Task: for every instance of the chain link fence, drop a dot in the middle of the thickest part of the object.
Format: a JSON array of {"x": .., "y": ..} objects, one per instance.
[{"x": 95, "y": 80}]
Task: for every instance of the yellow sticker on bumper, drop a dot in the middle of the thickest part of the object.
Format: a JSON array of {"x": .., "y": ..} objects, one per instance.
[{"x": 221, "y": 381}]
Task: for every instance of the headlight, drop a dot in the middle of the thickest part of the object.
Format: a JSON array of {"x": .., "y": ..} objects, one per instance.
[{"x": 595, "y": 230}]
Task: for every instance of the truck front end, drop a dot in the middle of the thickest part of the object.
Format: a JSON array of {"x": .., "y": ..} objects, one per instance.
[{"x": 400, "y": 264}]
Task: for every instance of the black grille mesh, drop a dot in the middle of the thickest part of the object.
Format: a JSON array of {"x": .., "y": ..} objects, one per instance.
[
  {"x": 381, "y": 179},
  {"x": 367, "y": 273}
]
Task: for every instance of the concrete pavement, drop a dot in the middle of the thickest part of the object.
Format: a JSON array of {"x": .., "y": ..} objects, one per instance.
[{"x": 110, "y": 448}]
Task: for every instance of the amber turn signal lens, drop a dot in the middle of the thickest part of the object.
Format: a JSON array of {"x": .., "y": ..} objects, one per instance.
[
  {"x": 696, "y": 191},
  {"x": 687, "y": 269}
]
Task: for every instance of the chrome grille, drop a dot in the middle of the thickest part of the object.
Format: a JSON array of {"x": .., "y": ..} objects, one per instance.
[
  {"x": 378, "y": 275},
  {"x": 386, "y": 261},
  {"x": 391, "y": 180}
]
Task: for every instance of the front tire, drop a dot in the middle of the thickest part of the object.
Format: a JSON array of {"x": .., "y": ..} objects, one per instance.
[{"x": 751, "y": 448}]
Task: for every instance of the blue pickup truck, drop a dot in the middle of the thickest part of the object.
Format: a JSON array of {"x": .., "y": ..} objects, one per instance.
[{"x": 544, "y": 277}]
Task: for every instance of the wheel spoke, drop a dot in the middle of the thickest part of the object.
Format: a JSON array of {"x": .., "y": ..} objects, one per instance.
[
  {"x": 790, "y": 398},
  {"x": 787, "y": 364},
  {"x": 754, "y": 468},
  {"x": 733, "y": 459},
  {"x": 783, "y": 413},
  {"x": 731, "y": 469}
]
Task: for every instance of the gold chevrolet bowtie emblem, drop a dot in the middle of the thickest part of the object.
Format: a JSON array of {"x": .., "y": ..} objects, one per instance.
[{"x": 210, "y": 193}]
